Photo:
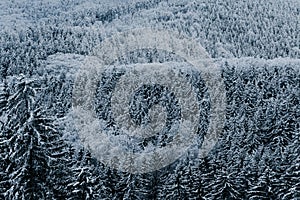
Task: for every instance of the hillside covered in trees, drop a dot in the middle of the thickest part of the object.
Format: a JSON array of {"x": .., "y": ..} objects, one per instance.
[{"x": 256, "y": 45}]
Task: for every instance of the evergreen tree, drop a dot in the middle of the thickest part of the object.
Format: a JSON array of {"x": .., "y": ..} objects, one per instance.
[
  {"x": 83, "y": 184},
  {"x": 291, "y": 177},
  {"x": 28, "y": 161},
  {"x": 59, "y": 161},
  {"x": 4, "y": 158},
  {"x": 32, "y": 146},
  {"x": 132, "y": 187},
  {"x": 261, "y": 189}
]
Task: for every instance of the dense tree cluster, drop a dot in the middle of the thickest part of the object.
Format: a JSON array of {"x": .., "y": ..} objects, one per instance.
[
  {"x": 233, "y": 28},
  {"x": 257, "y": 155}
]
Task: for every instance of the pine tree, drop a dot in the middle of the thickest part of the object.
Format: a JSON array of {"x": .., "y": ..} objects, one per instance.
[
  {"x": 261, "y": 189},
  {"x": 191, "y": 178},
  {"x": 143, "y": 186},
  {"x": 83, "y": 185},
  {"x": 3, "y": 98},
  {"x": 32, "y": 144},
  {"x": 4, "y": 158},
  {"x": 291, "y": 176},
  {"x": 28, "y": 162},
  {"x": 222, "y": 184},
  {"x": 59, "y": 161},
  {"x": 132, "y": 187},
  {"x": 182, "y": 182},
  {"x": 174, "y": 188}
]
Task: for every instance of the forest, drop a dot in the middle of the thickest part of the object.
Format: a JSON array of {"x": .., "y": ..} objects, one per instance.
[{"x": 256, "y": 45}]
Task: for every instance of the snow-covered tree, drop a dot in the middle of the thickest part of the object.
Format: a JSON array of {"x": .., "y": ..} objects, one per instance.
[
  {"x": 82, "y": 183},
  {"x": 32, "y": 146},
  {"x": 3, "y": 140},
  {"x": 27, "y": 160}
]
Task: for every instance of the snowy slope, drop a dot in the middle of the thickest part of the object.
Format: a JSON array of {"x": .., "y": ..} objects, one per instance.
[{"x": 46, "y": 46}]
